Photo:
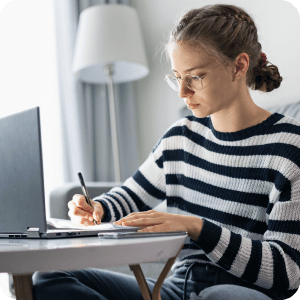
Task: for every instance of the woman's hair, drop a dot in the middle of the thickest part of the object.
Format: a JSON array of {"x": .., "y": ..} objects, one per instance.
[{"x": 225, "y": 31}]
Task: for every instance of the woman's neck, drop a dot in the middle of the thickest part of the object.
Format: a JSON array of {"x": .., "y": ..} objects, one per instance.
[{"x": 238, "y": 117}]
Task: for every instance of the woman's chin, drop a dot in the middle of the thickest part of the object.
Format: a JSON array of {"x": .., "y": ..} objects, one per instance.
[{"x": 198, "y": 114}]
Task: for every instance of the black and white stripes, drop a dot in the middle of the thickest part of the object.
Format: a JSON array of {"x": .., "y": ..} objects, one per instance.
[{"x": 245, "y": 185}]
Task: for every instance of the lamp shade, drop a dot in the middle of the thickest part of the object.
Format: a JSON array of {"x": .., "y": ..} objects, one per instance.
[{"x": 109, "y": 34}]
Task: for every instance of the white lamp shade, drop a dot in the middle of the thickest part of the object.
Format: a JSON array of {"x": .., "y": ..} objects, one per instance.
[{"x": 109, "y": 34}]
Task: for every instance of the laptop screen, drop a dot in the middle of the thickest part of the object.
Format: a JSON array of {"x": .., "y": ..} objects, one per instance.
[{"x": 22, "y": 202}]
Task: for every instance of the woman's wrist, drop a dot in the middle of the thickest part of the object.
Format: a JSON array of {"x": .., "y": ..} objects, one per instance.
[{"x": 195, "y": 225}]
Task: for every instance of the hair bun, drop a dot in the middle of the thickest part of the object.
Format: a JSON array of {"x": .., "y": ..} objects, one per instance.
[{"x": 266, "y": 78}]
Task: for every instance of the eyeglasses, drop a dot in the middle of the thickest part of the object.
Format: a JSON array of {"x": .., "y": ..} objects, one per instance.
[{"x": 193, "y": 82}]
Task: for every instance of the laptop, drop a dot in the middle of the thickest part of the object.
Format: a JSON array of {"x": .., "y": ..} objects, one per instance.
[{"x": 22, "y": 198}]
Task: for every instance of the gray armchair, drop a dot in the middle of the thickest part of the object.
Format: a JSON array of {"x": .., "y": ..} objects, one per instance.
[
  {"x": 59, "y": 209},
  {"x": 60, "y": 196}
]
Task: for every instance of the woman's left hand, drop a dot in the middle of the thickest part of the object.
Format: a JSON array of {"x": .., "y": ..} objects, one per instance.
[{"x": 154, "y": 221}]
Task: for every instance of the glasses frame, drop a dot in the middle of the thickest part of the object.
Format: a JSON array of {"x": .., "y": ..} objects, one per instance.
[{"x": 182, "y": 79}]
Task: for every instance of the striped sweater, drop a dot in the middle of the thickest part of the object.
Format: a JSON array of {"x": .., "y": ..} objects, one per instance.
[{"x": 245, "y": 185}]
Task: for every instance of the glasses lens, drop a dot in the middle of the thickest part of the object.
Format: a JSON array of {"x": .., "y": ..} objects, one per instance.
[
  {"x": 173, "y": 82},
  {"x": 193, "y": 82}
]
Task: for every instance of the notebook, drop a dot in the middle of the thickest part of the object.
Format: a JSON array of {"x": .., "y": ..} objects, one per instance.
[{"x": 22, "y": 199}]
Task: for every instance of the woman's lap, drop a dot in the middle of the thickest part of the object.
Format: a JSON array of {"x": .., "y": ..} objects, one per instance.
[
  {"x": 99, "y": 284},
  {"x": 229, "y": 292},
  {"x": 210, "y": 283}
]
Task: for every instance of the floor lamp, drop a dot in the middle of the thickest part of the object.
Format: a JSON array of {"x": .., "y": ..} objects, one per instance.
[{"x": 109, "y": 49}]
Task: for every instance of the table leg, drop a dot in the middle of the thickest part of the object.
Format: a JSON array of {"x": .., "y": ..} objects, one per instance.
[
  {"x": 23, "y": 286},
  {"x": 138, "y": 273},
  {"x": 140, "y": 278}
]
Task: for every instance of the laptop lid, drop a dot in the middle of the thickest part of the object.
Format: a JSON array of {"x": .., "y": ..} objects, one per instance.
[{"x": 22, "y": 197}]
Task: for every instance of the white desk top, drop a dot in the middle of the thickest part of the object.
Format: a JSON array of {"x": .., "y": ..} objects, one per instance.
[{"x": 21, "y": 256}]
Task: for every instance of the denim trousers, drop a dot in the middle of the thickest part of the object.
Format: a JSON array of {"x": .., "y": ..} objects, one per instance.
[{"x": 204, "y": 282}]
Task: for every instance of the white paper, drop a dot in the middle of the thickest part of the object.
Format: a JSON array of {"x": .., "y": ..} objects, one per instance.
[{"x": 62, "y": 223}]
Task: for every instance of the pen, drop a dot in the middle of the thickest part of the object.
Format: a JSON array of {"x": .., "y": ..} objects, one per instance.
[{"x": 85, "y": 192}]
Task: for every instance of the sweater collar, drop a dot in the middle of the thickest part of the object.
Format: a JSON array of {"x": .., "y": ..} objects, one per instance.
[{"x": 247, "y": 132}]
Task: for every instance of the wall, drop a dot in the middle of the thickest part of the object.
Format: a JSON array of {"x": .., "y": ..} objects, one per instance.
[
  {"x": 278, "y": 26},
  {"x": 28, "y": 76}
]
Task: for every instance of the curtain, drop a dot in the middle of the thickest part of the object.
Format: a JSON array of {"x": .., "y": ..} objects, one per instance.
[{"x": 87, "y": 145}]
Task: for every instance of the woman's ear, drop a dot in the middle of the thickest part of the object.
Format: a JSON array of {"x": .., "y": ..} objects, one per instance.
[{"x": 242, "y": 62}]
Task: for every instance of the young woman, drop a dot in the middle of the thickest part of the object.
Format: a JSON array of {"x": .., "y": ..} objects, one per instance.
[{"x": 230, "y": 174}]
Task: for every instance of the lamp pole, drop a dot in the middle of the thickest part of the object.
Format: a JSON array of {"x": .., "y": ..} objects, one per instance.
[{"x": 109, "y": 71}]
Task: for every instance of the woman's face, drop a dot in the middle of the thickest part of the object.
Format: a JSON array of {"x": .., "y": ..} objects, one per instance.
[{"x": 219, "y": 90}]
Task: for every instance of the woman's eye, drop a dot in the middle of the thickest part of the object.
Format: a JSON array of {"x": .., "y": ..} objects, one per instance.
[{"x": 197, "y": 76}]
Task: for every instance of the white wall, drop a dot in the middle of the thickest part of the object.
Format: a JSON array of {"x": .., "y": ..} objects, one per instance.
[
  {"x": 278, "y": 26},
  {"x": 28, "y": 76}
]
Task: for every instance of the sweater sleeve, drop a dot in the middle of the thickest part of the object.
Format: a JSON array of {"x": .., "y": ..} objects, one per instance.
[
  {"x": 141, "y": 192},
  {"x": 272, "y": 263}
]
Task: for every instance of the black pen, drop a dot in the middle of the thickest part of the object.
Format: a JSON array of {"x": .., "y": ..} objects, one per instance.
[{"x": 85, "y": 192}]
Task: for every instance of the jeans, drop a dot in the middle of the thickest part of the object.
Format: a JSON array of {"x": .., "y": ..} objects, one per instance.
[
  {"x": 97, "y": 284},
  {"x": 214, "y": 283}
]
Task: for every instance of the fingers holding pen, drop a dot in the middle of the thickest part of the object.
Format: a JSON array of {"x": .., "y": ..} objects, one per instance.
[
  {"x": 76, "y": 211},
  {"x": 80, "y": 201},
  {"x": 82, "y": 213},
  {"x": 79, "y": 221}
]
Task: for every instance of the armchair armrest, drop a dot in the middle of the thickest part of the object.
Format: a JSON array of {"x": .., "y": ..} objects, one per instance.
[{"x": 60, "y": 196}]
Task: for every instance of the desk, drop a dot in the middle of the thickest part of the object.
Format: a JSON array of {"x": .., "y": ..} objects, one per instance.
[{"x": 22, "y": 257}]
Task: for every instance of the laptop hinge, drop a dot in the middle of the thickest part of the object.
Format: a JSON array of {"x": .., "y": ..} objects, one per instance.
[{"x": 33, "y": 232}]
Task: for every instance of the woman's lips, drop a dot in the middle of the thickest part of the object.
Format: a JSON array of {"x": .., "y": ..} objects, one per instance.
[{"x": 192, "y": 106}]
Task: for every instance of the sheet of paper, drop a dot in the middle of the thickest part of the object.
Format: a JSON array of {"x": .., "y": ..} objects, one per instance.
[{"x": 61, "y": 223}]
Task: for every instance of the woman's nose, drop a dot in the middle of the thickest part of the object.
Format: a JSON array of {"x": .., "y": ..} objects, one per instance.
[{"x": 184, "y": 91}]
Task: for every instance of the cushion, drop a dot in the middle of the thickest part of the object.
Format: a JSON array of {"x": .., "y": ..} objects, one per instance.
[{"x": 289, "y": 110}]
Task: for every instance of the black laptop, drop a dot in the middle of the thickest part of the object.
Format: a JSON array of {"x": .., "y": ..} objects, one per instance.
[{"x": 22, "y": 198}]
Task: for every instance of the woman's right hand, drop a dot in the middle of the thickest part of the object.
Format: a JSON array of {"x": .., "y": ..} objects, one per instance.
[{"x": 82, "y": 214}]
